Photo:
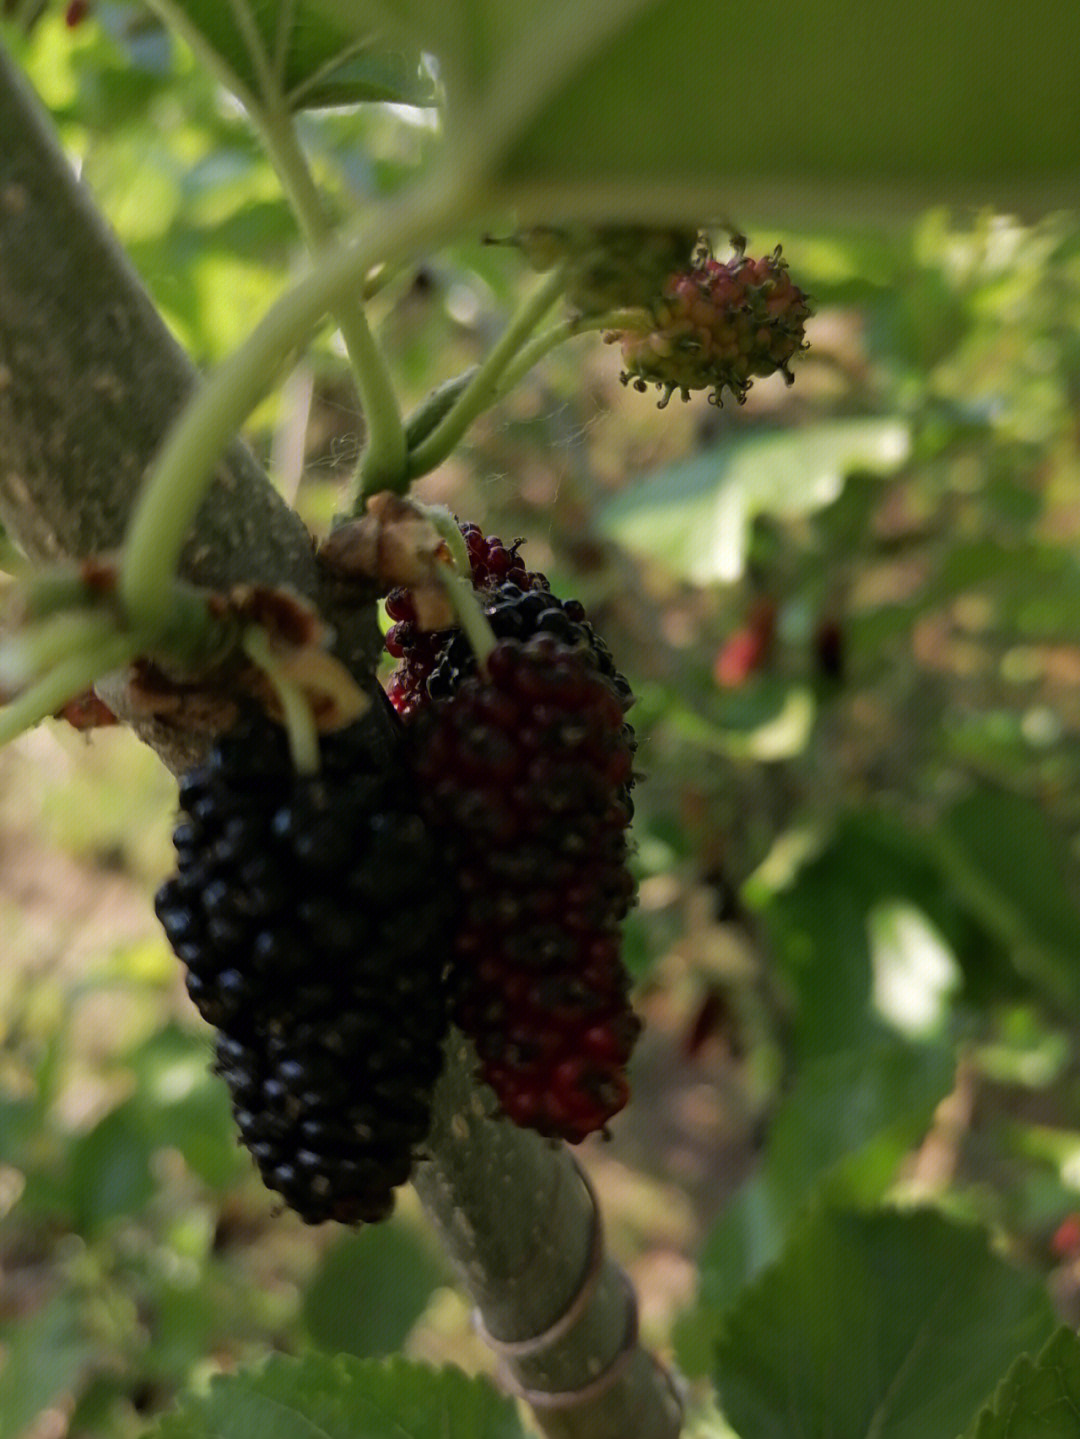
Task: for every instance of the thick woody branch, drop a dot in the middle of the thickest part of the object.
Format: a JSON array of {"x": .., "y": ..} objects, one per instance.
[{"x": 90, "y": 381}]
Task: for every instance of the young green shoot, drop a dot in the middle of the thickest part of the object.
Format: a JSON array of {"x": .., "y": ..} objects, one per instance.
[
  {"x": 185, "y": 467},
  {"x": 38, "y": 648},
  {"x": 483, "y": 388},
  {"x": 63, "y": 682}
]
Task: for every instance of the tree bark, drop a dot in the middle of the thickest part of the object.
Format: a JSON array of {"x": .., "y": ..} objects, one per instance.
[{"x": 90, "y": 380}]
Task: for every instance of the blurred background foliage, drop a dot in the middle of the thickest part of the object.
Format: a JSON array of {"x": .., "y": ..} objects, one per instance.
[{"x": 849, "y": 611}]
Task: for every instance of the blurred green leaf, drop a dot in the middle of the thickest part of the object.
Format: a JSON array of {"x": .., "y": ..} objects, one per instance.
[
  {"x": 1039, "y": 1398},
  {"x": 747, "y": 1237},
  {"x": 395, "y": 79},
  {"x": 768, "y": 721},
  {"x": 842, "y": 1131},
  {"x": 110, "y": 1169},
  {"x": 482, "y": 45},
  {"x": 694, "y": 1337},
  {"x": 695, "y": 516},
  {"x": 369, "y": 1291},
  {"x": 884, "y": 1325},
  {"x": 1035, "y": 586},
  {"x": 44, "y": 1359},
  {"x": 823, "y": 922},
  {"x": 292, "y": 46},
  {"x": 897, "y": 97},
  {"x": 344, "y": 1398},
  {"x": 812, "y": 110},
  {"x": 1007, "y": 860},
  {"x": 820, "y": 929},
  {"x": 851, "y": 1117},
  {"x": 178, "y": 1102}
]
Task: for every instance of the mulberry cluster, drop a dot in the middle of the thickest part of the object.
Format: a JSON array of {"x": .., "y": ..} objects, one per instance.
[
  {"x": 527, "y": 774},
  {"x": 517, "y": 604},
  {"x": 314, "y": 947},
  {"x": 718, "y": 326},
  {"x": 492, "y": 564}
]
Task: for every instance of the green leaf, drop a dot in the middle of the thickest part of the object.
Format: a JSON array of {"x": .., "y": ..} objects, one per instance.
[
  {"x": 799, "y": 107},
  {"x": 180, "y": 1102},
  {"x": 502, "y": 58},
  {"x": 344, "y": 1398},
  {"x": 884, "y": 1325},
  {"x": 1038, "y": 1398},
  {"x": 748, "y": 1236},
  {"x": 821, "y": 935},
  {"x": 695, "y": 516},
  {"x": 110, "y": 1169},
  {"x": 1010, "y": 864},
  {"x": 369, "y": 1291},
  {"x": 768, "y": 721},
  {"x": 638, "y": 107},
  {"x": 44, "y": 1360},
  {"x": 841, "y": 1132},
  {"x": 851, "y": 1117},
  {"x": 293, "y": 50},
  {"x": 374, "y": 75}
]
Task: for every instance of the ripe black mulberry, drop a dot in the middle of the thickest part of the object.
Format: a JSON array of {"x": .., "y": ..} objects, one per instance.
[{"x": 314, "y": 943}]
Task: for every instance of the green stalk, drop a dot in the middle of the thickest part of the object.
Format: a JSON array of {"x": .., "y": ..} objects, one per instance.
[
  {"x": 382, "y": 465},
  {"x": 482, "y": 389},
  {"x": 470, "y": 616},
  {"x": 384, "y": 453},
  {"x": 63, "y": 683},
  {"x": 532, "y": 353},
  {"x": 32, "y": 651},
  {"x": 447, "y": 527},
  {"x": 299, "y": 720},
  {"x": 184, "y": 469}
]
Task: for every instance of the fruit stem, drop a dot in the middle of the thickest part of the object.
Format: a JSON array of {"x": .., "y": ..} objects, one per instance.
[
  {"x": 296, "y": 712},
  {"x": 445, "y": 525},
  {"x": 483, "y": 388},
  {"x": 471, "y": 617},
  {"x": 63, "y": 682},
  {"x": 543, "y": 344}
]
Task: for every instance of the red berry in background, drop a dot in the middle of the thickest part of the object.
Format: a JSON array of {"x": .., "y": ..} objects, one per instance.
[
  {"x": 747, "y": 649},
  {"x": 1066, "y": 1239},
  {"x": 76, "y": 12},
  {"x": 526, "y": 775},
  {"x": 741, "y": 655},
  {"x": 717, "y": 326}
]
